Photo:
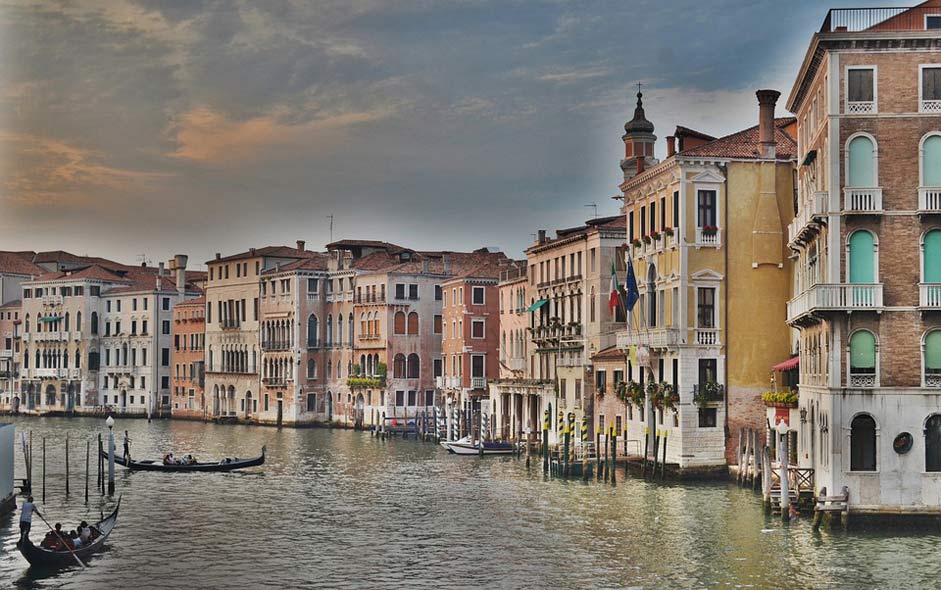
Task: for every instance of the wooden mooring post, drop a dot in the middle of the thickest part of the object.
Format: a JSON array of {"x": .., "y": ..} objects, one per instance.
[
  {"x": 545, "y": 441},
  {"x": 614, "y": 454},
  {"x": 643, "y": 465},
  {"x": 67, "y": 465},
  {"x": 87, "y": 459},
  {"x": 44, "y": 470},
  {"x": 663, "y": 463}
]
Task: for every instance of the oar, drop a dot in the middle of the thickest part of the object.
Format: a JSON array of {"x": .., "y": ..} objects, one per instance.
[{"x": 64, "y": 544}]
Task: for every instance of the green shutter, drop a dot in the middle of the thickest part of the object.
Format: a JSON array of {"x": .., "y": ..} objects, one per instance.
[
  {"x": 861, "y": 173},
  {"x": 862, "y": 264},
  {"x": 932, "y": 256},
  {"x": 931, "y": 161},
  {"x": 933, "y": 350},
  {"x": 863, "y": 350}
]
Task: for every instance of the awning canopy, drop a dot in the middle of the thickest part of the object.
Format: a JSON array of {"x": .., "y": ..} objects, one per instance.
[
  {"x": 537, "y": 304},
  {"x": 49, "y": 318},
  {"x": 787, "y": 365},
  {"x": 810, "y": 157}
]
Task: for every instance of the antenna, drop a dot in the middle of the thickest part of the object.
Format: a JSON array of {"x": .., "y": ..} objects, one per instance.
[
  {"x": 594, "y": 207},
  {"x": 142, "y": 258},
  {"x": 330, "y": 217}
]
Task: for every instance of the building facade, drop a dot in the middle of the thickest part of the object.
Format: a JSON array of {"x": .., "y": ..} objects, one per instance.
[
  {"x": 10, "y": 355},
  {"x": 706, "y": 236},
  {"x": 188, "y": 359},
  {"x": 866, "y": 238}
]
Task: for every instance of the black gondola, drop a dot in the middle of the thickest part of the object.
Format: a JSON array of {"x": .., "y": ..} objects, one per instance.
[
  {"x": 50, "y": 558},
  {"x": 223, "y": 465}
]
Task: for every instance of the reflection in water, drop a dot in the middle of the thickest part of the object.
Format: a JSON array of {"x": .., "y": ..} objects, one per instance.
[{"x": 339, "y": 509}]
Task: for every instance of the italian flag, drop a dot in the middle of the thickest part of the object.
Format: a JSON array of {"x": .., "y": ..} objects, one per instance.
[{"x": 614, "y": 299}]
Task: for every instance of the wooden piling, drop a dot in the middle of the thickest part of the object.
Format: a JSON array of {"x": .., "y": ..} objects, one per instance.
[
  {"x": 67, "y": 465},
  {"x": 44, "y": 470},
  {"x": 614, "y": 454},
  {"x": 643, "y": 466},
  {"x": 87, "y": 459},
  {"x": 656, "y": 448},
  {"x": 545, "y": 441},
  {"x": 663, "y": 463},
  {"x": 598, "y": 451}
]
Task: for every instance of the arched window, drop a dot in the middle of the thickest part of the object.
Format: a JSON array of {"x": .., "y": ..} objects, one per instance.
[
  {"x": 863, "y": 443},
  {"x": 94, "y": 323},
  {"x": 933, "y": 443},
  {"x": 862, "y": 268},
  {"x": 651, "y": 296},
  {"x": 862, "y": 359},
  {"x": 931, "y": 160},
  {"x": 861, "y": 165},
  {"x": 329, "y": 329},
  {"x": 78, "y": 321},
  {"x": 591, "y": 305},
  {"x": 413, "y": 366},
  {"x": 311, "y": 369},
  {"x": 398, "y": 366},
  {"x": 27, "y": 323},
  {"x": 351, "y": 329},
  {"x": 363, "y": 331},
  {"x": 932, "y": 359},
  {"x": 312, "y": 331},
  {"x": 412, "y": 323},
  {"x": 398, "y": 323},
  {"x": 931, "y": 264},
  {"x": 68, "y": 322},
  {"x": 339, "y": 333}
]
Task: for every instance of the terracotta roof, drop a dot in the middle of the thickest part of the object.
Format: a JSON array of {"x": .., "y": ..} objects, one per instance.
[
  {"x": 94, "y": 272},
  {"x": 346, "y": 244},
  {"x": 611, "y": 353},
  {"x": 745, "y": 144},
  {"x": 274, "y": 251},
  {"x": 316, "y": 262},
  {"x": 687, "y": 132},
  {"x": 195, "y": 302},
  {"x": 16, "y": 303},
  {"x": 19, "y": 263}
]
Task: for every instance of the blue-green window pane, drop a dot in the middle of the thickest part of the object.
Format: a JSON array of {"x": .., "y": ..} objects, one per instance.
[
  {"x": 862, "y": 258},
  {"x": 860, "y": 157},
  {"x": 932, "y": 257},
  {"x": 933, "y": 351},
  {"x": 931, "y": 164},
  {"x": 863, "y": 350}
]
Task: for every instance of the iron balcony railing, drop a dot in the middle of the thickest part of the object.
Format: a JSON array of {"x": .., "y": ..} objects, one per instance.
[
  {"x": 712, "y": 392},
  {"x": 855, "y": 20}
]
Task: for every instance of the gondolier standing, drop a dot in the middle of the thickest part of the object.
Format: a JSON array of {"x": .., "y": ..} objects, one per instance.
[
  {"x": 127, "y": 446},
  {"x": 26, "y": 517}
]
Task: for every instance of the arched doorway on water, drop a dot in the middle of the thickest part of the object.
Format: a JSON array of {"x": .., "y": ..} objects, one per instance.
[
  {"x": 248, "y": 405},
  {"x": 123, "y": 403},
  {"x": 359, "y": 412}
]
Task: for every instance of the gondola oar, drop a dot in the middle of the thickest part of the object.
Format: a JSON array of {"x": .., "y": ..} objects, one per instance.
[{"x": 64, "y": 544}]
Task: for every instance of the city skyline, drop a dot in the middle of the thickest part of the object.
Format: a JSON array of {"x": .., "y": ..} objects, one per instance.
[{"x": 216, "y": 126}]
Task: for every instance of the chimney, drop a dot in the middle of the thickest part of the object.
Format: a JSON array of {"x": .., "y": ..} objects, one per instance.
[
  {"x": 446, "y": 262},
  {"x": 160, "y": 275},
  {"x": 179, "y": 265},
  {"x": 300, "y": 245},
  {"x": 218, "y": 255},
  {"x": 640, "y": 164},
  {"x": 767, "y": 99},
  {"x": 541, "y": 239},
  {"x": 671, "y": 145},
  {"x": 425, "y": 266}
]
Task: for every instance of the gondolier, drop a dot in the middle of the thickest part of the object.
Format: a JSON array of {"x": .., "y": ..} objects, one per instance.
[{"x": 26, "y": 517}]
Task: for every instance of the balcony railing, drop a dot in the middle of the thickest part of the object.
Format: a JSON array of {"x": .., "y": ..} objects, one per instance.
[
  {"x": 707, "y": 336},
  {"x": 929, "y": 295},
  {"x": 855, "y": 20},
  {"x": 313, "y": 344},
  {"x": 654, "y": 338},
  {"x": 52, "y": 300},
  {"x": 813, "y": 211},
  {"x": 862, "y": 199},
  {"x": 51, "y": 373},
  {"x": 273, "y": 380},
  {"x": 933, "y": 380},
  {"x": 929, "y": 199},
  {"x": 478, "y": 383},
  {"x": 711, "y": 392},
  {"x": 835, "y": 297},
  {"x": 863, "y": 380},
  {"x": 708, "y": 237},
  {"x": 860, "y": 107},
  {"x": 369, "y": 299},
  {"x": 276, "y": 345},
  {"x": 229, "y": 324}
]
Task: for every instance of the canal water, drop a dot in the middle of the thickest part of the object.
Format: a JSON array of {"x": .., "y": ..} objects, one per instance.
[{"x": 339, "y": 509}]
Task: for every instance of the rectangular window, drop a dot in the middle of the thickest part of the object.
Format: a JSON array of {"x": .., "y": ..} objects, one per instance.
[
  {"x": 860, "y": 85},
  {"x": 400, "y": 398},
  {"x": 708, "y": 371},
  {"x": 429, "y": 397},
  {"x": 438, "y": 367},
  {"x": 437, "y": 324},
  {"x": 164, "y": 357},
  {"x": 477, "y": 296},
  {"x": 313, "y": 286},
  {"x": 166, "y": 304},
  {"x": 706, "y": 307},
  {"x": 591, "y": 259},
  {"x": 706, "y": 208},
  {"x": 663, "y": 212},
  {"x": 477, "y": 328},
  {"x": 618, "y": 376},
  {"x": 600, "y": 381},
  {"x": 165, "y": 327},
  {"x": 438, "y": 293},
  {"x": 653, "y": 217},
  {"x": 630, "y": 226},
  {"x": 477, "y": 365},
  {"x": 165, "y": 382},
  {"x": 930, "y": 86},
  {"x": 413, "y": 291},
  {"x": 643, "y": 221},
  {"x": 400, "y": 290},
  {"x": 707, "y": 417},
  {"x": 932, "y": 22}
]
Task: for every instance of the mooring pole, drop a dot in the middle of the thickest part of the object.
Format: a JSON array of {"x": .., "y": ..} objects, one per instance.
[
  {"x": 87, "y": 459},
  {"x": 643, "y": 466},
  {"x": 110, "y": 460},
  {"x": 614, "y": 453},
  {"x": 663, "y": 463},
  {"x": 567, "y": 435},
  {"x": 44, "y": 470},
  {"x": 656, "y": 447},
  {"x": 66, "y": 464},
  {"x": 598, "y": 451},
  {"x": 99, "y": 481}
]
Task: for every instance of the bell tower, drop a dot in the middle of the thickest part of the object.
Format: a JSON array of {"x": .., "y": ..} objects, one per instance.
[{"x": 639, "y": 142}]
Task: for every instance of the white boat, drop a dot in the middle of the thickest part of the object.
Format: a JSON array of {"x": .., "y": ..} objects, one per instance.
[
  {"x": 489, "y": 448},
  {"x": 447, "y": 443}
]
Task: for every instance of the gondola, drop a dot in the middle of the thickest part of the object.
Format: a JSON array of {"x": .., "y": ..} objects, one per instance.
[
  {"x": 50, "y": 558},
  {"x": 223, "y": 465}
]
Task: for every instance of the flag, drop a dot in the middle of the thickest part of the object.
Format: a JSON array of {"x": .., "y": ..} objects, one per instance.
[
  {"x": 630, "y": 285},
  {"x": 614, "y": 299}
]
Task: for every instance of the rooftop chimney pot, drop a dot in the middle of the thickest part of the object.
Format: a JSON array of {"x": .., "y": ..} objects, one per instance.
[
  {"x": 218, "y": 255},
  {"x": 671, "y": 145},
  {"x": 541, "y": 239},
  {"x": 767, "y": 99},
  {"x": 640, "y": 164},
  {"x": 300, "y": 245}
]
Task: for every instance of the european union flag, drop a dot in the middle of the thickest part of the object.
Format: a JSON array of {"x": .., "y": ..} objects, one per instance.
[{"x": 630, "y": 286}]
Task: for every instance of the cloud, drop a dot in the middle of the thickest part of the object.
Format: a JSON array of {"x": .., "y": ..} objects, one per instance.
[
  {"x": 574, "y": 75},
  {"x": 210, "y": 137}
]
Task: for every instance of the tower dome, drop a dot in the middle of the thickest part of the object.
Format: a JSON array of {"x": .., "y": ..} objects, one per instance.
[{"x": 639, "y": 124}]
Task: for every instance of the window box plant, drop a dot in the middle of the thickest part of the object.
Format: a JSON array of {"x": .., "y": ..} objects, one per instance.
[
  {"x": 668, "y": 231},
  {"x": 636, "y": 242},
  {"x": 655, "y": 235},
  {"x": 780, "y": 399},
  {"x": 710, "y": 230},
  {"x": 706, "y": 393},
  {"x": 646, "y": 239}
]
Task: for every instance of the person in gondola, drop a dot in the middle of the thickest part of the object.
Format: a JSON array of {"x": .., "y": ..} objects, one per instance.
[
  {"x": 53, "y": 539},
  {"x": 85, "y": 534},
  {"x": 169, "y": 459},
  {"x": 26, "y": 517},
  {"x": 127, "y": 447}
]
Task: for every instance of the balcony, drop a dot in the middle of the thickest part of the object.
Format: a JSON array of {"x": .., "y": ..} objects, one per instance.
[
  {"x": 707, "y": 336},
  {"x": 929, "y": 296},
  {"x": 276, "y": 345},
  {"x": 229, "y": 324},
  {"x": 708, "y": 237},
  {"x": 929, "y": 200},
  {"x": 478, "y": 383},
  {"x": 808, "y": 219},
  {"x": 654, "y": 338},
  {"x": 863, "y": 380},
  {"x": 50, "y": 373},
  {"x": 708, "y": 392},
  {"x": 273, "y": 381},
  {"x": 862, "y": 200},
  {"x": 860, "y": 107},
  {"x": 6, "y": 354},
  {"x": 933, "y": 380},
  {"x": 835, "y": 297},
  {"x": 569, "y": 360},
  {"x": 52, "y": 300}
]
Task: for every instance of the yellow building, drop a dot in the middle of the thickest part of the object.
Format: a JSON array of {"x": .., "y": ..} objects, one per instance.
[{"x": 707, "y": 238}]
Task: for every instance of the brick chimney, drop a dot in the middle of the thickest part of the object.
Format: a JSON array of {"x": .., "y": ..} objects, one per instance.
[
  {"x": 446, "y": 263},
  {"x": 671, "y": 145},
  {"x": 300, "y": 245},
  {"x": 179, "y": 265},
  {"x": 640, "y": 165},
  {"x": 159, "y": 275},
  {"x": 767, "y": 99},
  {"x": 541, "y": 237}
]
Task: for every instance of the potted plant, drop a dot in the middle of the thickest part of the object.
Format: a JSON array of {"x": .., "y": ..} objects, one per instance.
[
  {"x": 636, "y": 242},
  {"x": 706, "y": 393},
  {"x": 710, "y": 230},
  {"x": 633, "y": 393},
  {"x": 654, "y": 394},
  {"x": 646, "y": 239},
  {"x": 670, "y": 399},
  {"x": 780, "y": 399},
  {"x": 655, "y": 235},
  {"x": 668, "y": 231}
]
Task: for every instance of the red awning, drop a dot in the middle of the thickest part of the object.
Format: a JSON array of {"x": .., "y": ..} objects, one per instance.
[{"x": 787, "y": 365}]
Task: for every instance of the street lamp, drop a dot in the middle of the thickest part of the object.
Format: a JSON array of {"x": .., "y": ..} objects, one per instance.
[{"x": 110, "y": 422}]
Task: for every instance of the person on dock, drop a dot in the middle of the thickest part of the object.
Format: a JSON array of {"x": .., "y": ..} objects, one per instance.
[{"x": 26, "y": 517}]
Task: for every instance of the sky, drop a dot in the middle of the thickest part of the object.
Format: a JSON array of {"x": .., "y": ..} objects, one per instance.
[{"x": 141, "y": 127}]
